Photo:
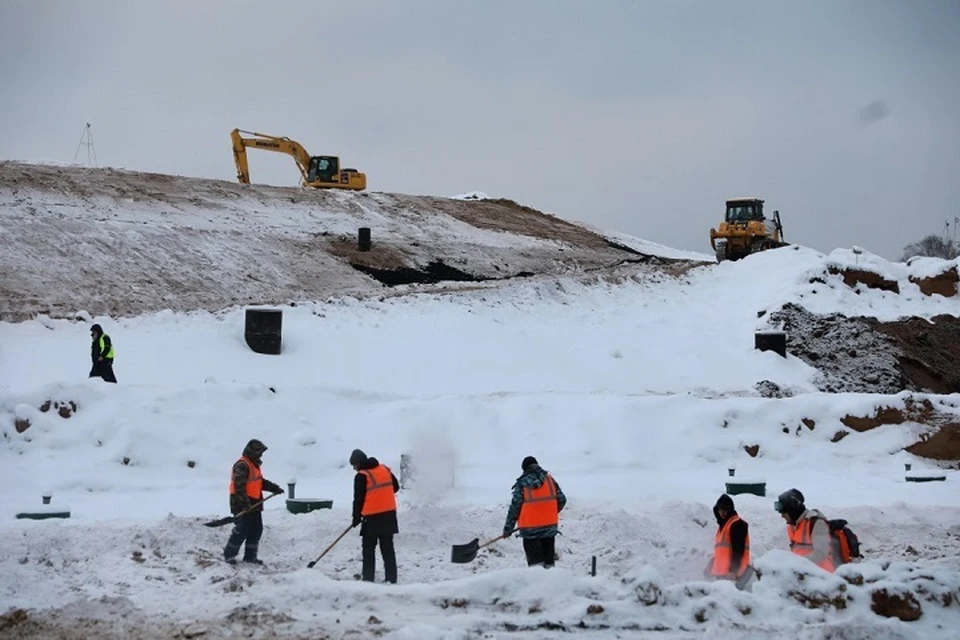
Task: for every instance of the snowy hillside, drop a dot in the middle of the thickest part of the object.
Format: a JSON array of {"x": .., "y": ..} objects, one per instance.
[
  {"x": 632, "y": 378},
  {"x": 127, "y": 243}
]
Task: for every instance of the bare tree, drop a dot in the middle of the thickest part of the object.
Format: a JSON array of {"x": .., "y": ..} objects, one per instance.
[{"x": 932, "y": 246}]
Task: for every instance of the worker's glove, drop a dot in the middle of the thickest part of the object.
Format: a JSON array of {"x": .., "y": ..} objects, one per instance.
[
  {"x": 278, "y": 491},
  {"x": 507, "y": 532},
  {"x": 355, "y": 522}
]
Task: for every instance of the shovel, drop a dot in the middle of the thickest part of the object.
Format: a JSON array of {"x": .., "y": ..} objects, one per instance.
[
  {"x": 232, "y": 519},
  {"x": 340, "y": 537},
  {"x": 462, "y": 553}
]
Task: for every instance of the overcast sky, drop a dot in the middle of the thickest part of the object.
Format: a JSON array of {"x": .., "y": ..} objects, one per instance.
[{"x": 640, "y": 117}]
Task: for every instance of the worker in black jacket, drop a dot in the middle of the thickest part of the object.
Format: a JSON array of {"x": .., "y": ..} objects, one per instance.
[
  {"x": 375, "y": 509},
  {"x": 731, "y": 553}
]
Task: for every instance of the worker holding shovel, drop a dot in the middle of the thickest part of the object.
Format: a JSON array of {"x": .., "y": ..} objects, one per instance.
[
  {"x": 375, "y": 510},
  {"x": 246, "y": 503},
  {"x": 535, "y": 508}
]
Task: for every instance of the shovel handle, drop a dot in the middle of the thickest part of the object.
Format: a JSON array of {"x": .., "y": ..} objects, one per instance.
[
  {"x": 502, "y": 536},
  {"x": 332, "y": 545},
  {"x": 255, "y": 505}
]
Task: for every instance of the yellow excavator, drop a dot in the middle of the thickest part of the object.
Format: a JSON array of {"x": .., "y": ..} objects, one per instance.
[
  {"x": 746, "y": 230},
  {"x": 320, "y": 172}
]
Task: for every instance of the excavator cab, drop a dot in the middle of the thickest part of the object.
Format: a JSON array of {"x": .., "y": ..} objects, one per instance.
[{"x": 323, "y": 168}]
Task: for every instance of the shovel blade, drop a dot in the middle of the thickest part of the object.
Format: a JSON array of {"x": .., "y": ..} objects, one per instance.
[
  {"x": 220, "y": 522},
  {"x": 462, "y": 553}
]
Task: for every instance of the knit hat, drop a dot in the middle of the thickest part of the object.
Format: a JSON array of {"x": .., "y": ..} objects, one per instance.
[
  {"x": 790, "y": 502},
  {"x": 97, "y": 328},
  {"x": 528, "y": 462},
  {"x": 357, "y": 457}
]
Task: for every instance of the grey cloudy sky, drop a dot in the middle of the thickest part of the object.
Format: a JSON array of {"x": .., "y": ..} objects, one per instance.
[{"x": 633, "y": 116}]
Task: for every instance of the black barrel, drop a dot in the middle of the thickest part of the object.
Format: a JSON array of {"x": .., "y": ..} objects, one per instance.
[
  {"x": 771, "y": 341},
  {"x": 363, "y": 239},
  {"x": 263, "y": 330}
]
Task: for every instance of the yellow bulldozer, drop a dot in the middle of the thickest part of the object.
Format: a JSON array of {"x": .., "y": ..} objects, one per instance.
[
  {"x": 746, "y": 230},
  {"x": 320, "y": 172}
]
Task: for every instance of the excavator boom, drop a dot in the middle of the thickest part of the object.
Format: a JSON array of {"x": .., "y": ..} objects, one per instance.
[{"x": 321, "y": 172}]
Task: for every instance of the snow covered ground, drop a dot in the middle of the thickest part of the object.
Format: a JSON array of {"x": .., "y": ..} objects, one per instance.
[{"x": 637, "y": 393}]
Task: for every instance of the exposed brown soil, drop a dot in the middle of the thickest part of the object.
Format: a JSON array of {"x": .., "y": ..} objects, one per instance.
[
  {"x": 853, "y": 277},
  {"x": 944, "y": 284},
  {"x": 943, "y": 444}
]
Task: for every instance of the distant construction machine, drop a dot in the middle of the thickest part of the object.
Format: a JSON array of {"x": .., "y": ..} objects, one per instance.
[
  {"x": 319, "y": 172},
  {"x": 745, "y": 230}
]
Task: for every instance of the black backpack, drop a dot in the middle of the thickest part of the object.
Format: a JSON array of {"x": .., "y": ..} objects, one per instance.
[{"x": 848, "y": 541}]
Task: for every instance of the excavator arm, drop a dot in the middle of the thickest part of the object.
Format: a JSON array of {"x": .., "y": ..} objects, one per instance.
[{"x": 268, "y": 143}]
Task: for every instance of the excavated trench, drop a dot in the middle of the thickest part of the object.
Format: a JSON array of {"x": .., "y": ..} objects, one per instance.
[{"x": 434, "y": 272}]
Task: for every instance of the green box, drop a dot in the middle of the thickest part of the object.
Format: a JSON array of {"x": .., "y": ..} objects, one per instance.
[
  {"x": 306, "y": 505},
  {"x": 756, "y": 488},
  {"x": 43, "y": 515}
]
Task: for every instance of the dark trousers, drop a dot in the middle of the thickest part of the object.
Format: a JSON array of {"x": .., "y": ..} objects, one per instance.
[
  {"x": 247, "y": 529},
  {"x": 370, "y": 558},
  {"x": 540, "y": 551},
  {"x": 103, "y": 369}
]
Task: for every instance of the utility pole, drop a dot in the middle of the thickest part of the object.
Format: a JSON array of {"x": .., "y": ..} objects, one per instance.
[{"x": 86, "y": 140}]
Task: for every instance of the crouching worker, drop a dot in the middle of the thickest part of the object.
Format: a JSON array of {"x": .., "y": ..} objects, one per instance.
[
  {"x": 731, "y": 547},
  {"x": 535, "y": 510}
]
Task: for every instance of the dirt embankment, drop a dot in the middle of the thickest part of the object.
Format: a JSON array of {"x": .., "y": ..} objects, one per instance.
[
  {"x": 123, "y": 243},
  {"x": 864, "y": 355}
]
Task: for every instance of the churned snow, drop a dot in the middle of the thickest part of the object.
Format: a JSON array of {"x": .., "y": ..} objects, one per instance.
[{"x": 637, "y": 393}]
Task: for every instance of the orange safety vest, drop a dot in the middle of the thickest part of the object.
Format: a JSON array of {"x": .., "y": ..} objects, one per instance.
[
  {"x": 723, "y": 551},
  {"x": 539, "y": 508},
  {"x": 379, "y": 497},
  {"x": 801, "y": 543},
  {"x": 254, "y": 480}
]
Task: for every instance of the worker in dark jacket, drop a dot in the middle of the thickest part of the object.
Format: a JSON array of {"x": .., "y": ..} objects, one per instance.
[
  {"x": 101, "y": 353},
  {"x": 535, "y": 510},
  {"x": 247, "y": 485},
  {"x": 731, "y": 551},
  {"x": 375, "y": 509}
]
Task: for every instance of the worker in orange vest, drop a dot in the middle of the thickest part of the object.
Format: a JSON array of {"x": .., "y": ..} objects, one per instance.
[
  {"x": 807, "y": 529},
  {"x": 375, "y": 509},
  {"x": 247, "y": 485},
  {"x": 535, "y": 510},
  {"x": 731, "y": 547}
]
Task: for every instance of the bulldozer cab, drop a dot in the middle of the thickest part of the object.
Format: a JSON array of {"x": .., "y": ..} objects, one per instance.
[
  {"x": 323, "y": 169},
  {"x": 741, "y": 210}
]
